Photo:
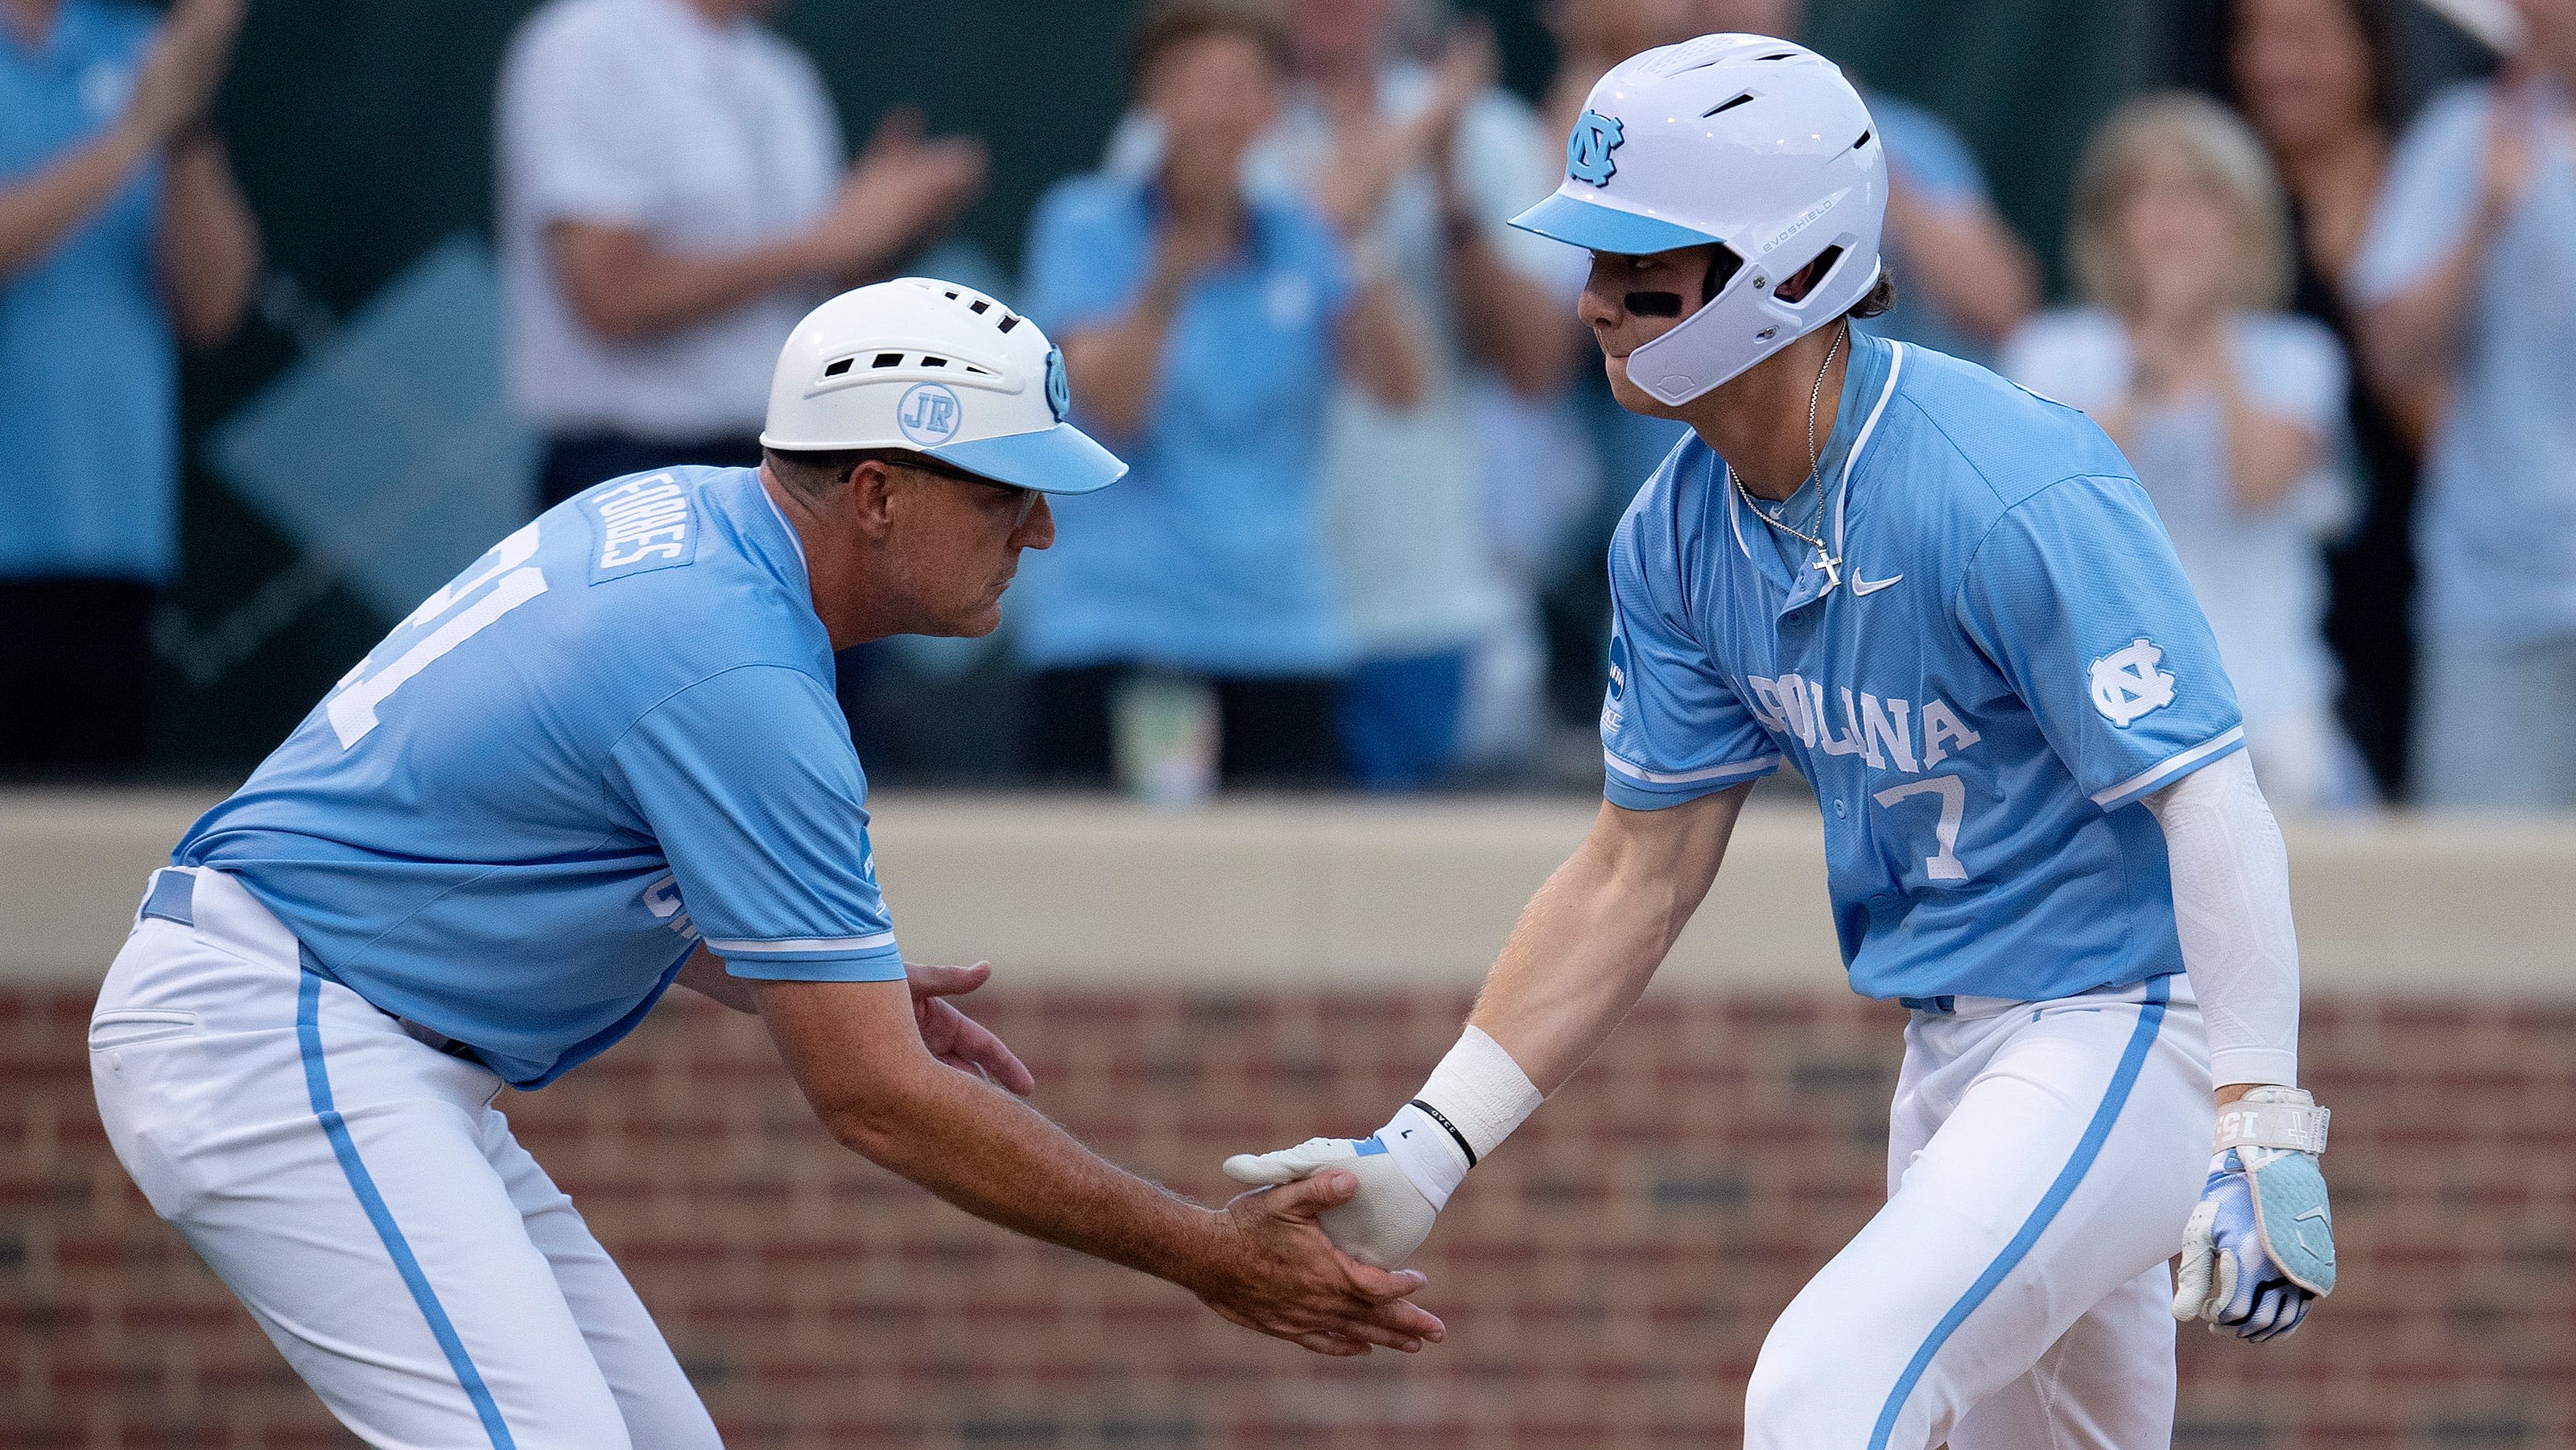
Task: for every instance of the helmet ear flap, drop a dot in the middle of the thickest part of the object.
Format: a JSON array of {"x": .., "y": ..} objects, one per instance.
[{"x": 1810, "y": 279}]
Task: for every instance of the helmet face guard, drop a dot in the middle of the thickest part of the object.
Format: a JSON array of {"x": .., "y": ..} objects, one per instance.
[
  {"x": 1755, "y": 145},
  {"x": 1747, "y": 321}
]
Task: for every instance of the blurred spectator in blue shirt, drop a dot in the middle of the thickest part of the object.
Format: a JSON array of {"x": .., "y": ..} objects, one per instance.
[
  {"x": 1964, "y": 280},
  {"x": 1203, "y": 321},
  {"x": 2230, "y": 410},
  {"x": 121, "y": 234},
  {"x": 2319, "y": 79},
  {"x": 2467, "y": 281}
]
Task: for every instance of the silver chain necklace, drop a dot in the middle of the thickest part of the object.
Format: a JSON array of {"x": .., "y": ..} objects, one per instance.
[{"x": 1825, "y": 559}]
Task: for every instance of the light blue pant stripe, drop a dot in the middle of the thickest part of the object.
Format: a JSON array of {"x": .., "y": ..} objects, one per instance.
[
  {"x": 2151, "y": 1018},
  {"x": 317, "y": 1083}
]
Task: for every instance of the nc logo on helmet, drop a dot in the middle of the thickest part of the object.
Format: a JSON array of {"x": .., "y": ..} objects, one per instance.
[
  {"x": 1587, "y": 151},
  {"x": 929, "y": 413},
  {"x": 1059, "y": 389}
]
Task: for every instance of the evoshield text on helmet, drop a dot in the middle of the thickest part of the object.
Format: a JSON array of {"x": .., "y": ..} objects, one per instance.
[
  {"x": 1757, "y": 145},
  {"x": 938, "y": 369}
]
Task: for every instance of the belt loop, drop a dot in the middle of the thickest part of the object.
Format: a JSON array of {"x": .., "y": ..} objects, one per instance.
[
  {"x": 173, "y": 896},
  {"x": 1937, "y": 1006}
]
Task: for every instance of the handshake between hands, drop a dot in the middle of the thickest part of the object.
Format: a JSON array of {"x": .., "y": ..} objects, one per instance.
[{"x": 1376, "y": 1198}]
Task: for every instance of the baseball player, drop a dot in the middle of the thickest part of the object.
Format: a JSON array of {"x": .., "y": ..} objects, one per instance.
[
  {"x": 1947, "y": 602},
  {"x": 605, "y": 758}
]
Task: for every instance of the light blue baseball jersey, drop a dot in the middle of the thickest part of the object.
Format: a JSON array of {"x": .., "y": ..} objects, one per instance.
[
  {"x": 611, "y": 734},
  {"x": 2011, "y": 659}
]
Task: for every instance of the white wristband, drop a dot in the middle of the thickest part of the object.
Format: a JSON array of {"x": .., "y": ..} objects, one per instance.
[
  {"x": 1472, "y": 1102},
  {"x": 2273, "y": 1117}
]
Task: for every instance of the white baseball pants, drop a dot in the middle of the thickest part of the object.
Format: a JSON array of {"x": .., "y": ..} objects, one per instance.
[
  {"x": 2013, "y": 1294},
  {"x": 355, "y": 1187}
]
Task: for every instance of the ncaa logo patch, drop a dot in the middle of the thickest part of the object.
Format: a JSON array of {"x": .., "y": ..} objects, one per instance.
[
  {"x": 1059, "y": 388},
  {"x": 930, "y": 413},
  {"x": 2127, "y": 684},
  {"x": 1587, "y": 151}
]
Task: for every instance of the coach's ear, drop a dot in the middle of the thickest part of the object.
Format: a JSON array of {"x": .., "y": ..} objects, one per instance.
[{"x": 871, "y": 495}]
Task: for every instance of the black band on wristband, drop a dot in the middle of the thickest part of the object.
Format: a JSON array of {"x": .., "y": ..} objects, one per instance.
[{"x": 1452, "y": 1128}]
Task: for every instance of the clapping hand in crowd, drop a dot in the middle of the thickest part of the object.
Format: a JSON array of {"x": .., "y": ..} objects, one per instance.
[
  {"x": 181, "y": 69},
  {"x": 1369, "y": 156},
  {"x": 904, "y": 186},
  {"x": 2521, "y": 129}
]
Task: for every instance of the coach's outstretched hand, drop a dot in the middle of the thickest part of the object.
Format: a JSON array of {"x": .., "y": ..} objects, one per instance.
[
  {"x": 1285, "y": 1278},
  {"x": 957, "y": 1039}
]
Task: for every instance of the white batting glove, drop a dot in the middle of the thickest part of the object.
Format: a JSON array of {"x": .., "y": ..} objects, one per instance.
[
  {"x": 2260, "y": 1247},
  {"x": 1408, "y": 1169},
  {"x": 1382, "y": 1224}
]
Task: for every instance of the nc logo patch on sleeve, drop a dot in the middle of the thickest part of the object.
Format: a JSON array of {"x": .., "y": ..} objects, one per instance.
[
  {"x": 1587, "y": 151},
  {"x": 2127, "y": 684}
]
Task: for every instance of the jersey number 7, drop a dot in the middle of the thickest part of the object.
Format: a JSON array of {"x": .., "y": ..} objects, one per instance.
[
  {"x": 1942, "y": 864},
  {"x": 353, "y": 703}
]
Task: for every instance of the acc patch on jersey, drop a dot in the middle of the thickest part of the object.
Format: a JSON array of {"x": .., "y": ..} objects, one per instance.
[
  {"x": 2126, "y": 683},
  {"x": 642, "y": 523}
]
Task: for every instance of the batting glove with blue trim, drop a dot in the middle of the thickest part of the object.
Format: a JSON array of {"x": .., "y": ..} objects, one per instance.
[
  {"x": 1382, "y": 1224},
  {"x": 2260, "y": 1246}
]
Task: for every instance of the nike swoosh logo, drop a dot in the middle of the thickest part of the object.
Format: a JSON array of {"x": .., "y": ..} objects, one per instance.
[{"x": 1862, "y": 586}]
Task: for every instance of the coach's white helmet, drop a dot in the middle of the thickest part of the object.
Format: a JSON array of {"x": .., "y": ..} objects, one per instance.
[
  {"x": 1756, "y": 144},
  {"x": 938, "y": 369}
]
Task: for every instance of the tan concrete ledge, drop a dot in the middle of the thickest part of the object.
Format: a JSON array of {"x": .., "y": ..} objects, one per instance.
[{"x": 1070, "y": 891}]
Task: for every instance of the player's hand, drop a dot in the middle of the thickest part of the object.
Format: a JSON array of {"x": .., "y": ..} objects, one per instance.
[
  {"x": 1384, "y": 1221},
  {"x": 957, "y": 1039},
  {"x": 1283, "y": 1277},
  {"x": 2259, "y": 1247}
]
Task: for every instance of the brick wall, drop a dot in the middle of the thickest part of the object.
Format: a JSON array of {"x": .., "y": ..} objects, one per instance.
[{"x": 1608, "y": 1277}]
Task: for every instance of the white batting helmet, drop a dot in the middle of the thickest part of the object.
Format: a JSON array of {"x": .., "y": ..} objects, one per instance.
[
  {"x": 1756, "y": 144},
  {"x": 938, "y": 369}
]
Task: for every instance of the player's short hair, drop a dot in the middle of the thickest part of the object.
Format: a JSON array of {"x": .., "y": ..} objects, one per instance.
[
  {"x": 1880, "y": 299},
  {"x": 1171, "y": 24},
  {"x": 2223, "y": 156}
]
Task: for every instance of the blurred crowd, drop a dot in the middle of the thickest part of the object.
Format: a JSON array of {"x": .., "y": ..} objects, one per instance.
[{"x": 1373, "y": 458}]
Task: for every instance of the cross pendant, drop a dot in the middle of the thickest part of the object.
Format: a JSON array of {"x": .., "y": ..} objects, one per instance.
[{"x": 1833, "y": 568}]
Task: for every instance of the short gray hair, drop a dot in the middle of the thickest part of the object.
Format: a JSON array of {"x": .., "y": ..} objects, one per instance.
[
  {"x": 815, "y": 475},
  {"x": 2222, "y": 152}
]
